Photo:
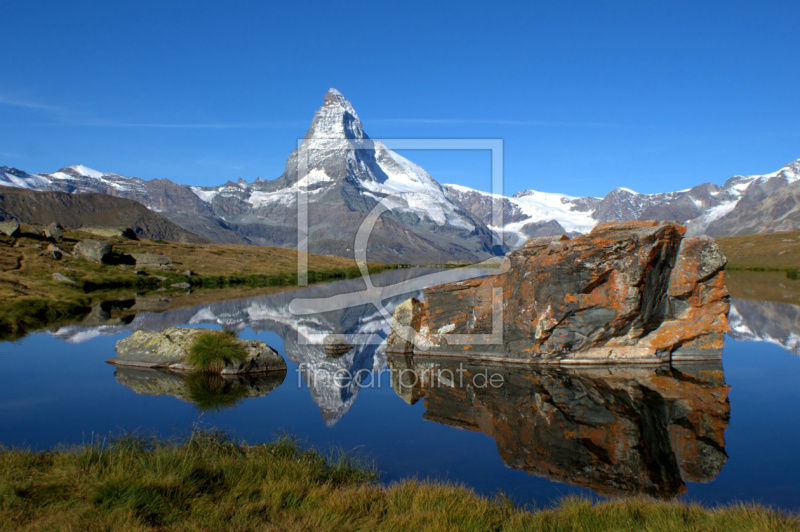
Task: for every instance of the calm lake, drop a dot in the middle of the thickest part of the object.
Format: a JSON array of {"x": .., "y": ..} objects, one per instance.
[{"x": 710, "y": 433}]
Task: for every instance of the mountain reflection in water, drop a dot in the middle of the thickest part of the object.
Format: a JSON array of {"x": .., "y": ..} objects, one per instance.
[
  {"x": 362, "y": 326},
  {"x": 303, "y": 335},
  {"x": 616, "y": 430}
]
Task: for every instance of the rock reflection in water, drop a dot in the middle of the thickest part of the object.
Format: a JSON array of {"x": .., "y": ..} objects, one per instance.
[
  {"x": 207, "y": 392},
  {"x": 616, "y": 430},
  {"x": 360, "y": 326}
]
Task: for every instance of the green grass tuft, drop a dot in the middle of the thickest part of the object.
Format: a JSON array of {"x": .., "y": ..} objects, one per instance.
[
  {"x": 210, "y": 482},
  {"x": 211, "y": 351}
]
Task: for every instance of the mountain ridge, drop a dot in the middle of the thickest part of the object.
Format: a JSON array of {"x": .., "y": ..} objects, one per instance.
[
  {"x": 719, "y": 210},
  {"x": 74, "y": 211},
  {"x": 345, "y": 174}
]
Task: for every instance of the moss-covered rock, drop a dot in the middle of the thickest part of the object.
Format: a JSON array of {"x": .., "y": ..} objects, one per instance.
[{"x": 169, "y": 349}]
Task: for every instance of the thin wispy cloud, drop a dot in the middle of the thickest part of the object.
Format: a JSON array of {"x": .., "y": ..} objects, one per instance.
[
  {"x": 490, "y": 121},
  {"x": 25, "y": 103},
  {"x": 159, "y": 125},
  {"x": 189, "y": 125},
  {"x": 63, "y": 116}
]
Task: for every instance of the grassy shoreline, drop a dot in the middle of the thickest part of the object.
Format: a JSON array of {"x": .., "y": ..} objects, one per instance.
[
  {"x": 762, "y": 253},
  {"x": 209, "y": 482},
  {"x": 30, "y": 298}
]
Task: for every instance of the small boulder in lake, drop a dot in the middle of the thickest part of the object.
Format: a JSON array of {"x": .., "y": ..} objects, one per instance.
[
  {"x": 152, "y": 261},
  {"x": 54, "y": 232},
  {"x": 169, "y": 349},
  {"x": 10, "y": 228},
  {"x": 93, "y": 250}
]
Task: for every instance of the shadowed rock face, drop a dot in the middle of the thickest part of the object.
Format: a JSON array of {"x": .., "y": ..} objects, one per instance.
[
  {"x": 626, "y": 430},
  {"x": 626, "y": 292}
]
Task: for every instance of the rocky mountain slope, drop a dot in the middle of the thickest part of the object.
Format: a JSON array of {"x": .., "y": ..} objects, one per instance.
[
  {"x": 742, "y": 205},
  {"x": 344, "y": 174},
  {"x": 74, "y": 211},
  {"x": 341, "y": 173}
]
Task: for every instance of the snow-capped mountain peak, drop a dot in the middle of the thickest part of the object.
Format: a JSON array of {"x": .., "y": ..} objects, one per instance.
[
  {"x": 344, "y": 174},
  {"x": 85, "y": 171},
  {"x": 335, "y": 98},
  {"x": 12, "y": 177},
  {"x": 335, "y": 121}
]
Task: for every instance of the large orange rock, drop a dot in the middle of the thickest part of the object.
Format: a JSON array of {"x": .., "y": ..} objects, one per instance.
[{"x": 626, "y": 292}]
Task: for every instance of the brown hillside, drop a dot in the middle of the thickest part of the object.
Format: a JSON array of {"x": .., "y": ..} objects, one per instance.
[{"x": 74, "y": 211}]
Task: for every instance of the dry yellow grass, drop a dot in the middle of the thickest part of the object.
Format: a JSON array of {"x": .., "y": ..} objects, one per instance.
[
  {"x": 29, "y": 297},
  {"x": 770, "y": 251},
  {"x": 211, "y": 483}
]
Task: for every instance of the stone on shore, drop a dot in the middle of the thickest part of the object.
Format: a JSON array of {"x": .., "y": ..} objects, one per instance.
[
  {"x": 61, "y": 278},
  {"x": 169, "y": 348},
  {"x": 10, "y": 228},
  {"x": 625, "y": 292},
  {"x": 93, "y": 250},
  {"x": 56, "y": 249},
  {"x": 152, "y": 261},
  {"x": 54, "y": 232}
]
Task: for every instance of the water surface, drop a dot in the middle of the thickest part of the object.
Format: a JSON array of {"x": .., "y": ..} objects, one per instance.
[{"x": 712, "y": 433}]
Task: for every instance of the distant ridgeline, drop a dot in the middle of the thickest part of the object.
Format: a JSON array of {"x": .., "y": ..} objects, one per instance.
[
  {"x": 343, "y": 175},
  {"x": 75, "y": 211}
]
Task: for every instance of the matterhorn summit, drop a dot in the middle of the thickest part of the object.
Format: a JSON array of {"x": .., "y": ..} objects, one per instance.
[
  {"x": 343, "y": 175},
  {"x": 338, "y": 175}
]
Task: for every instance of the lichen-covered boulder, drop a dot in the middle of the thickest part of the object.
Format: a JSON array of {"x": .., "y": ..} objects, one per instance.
[
  {"x": 626, "y": 292},
  {"x": 405, "y": 323},
  {"x": 169, "y": 348},
  {"x": 93, "y": 250}
]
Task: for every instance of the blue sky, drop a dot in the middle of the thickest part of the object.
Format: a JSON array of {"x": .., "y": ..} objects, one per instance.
[{"x": 586, "y": 95}]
